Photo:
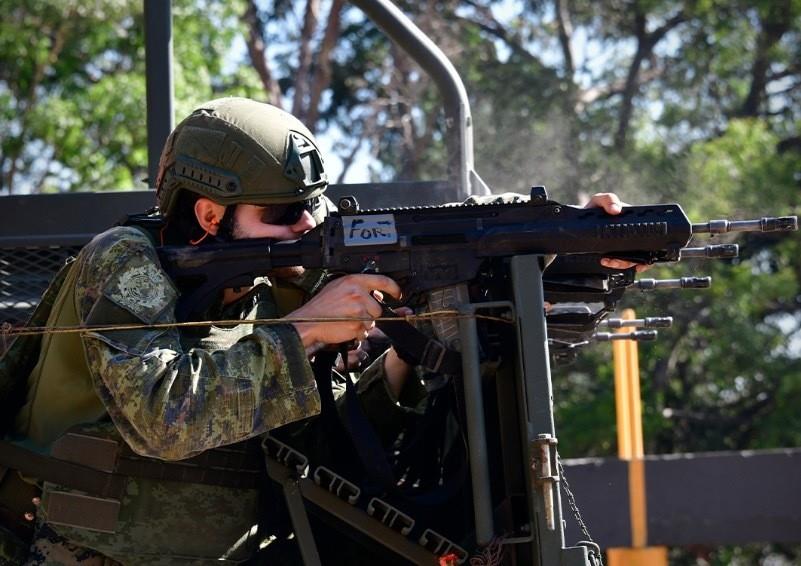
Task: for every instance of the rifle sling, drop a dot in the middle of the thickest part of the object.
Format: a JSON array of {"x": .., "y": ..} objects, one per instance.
[
  {"x": 354, "y": 422},
  {"x": 375, "y": 461},
  {"x": 416, "y": 348}
]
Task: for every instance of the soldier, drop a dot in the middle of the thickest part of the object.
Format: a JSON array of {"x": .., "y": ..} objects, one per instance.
[
  {"x": 175, "y": 406},
  {"x": 235, "y": 168}
]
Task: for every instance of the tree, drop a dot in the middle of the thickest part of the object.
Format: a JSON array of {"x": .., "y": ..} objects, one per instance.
[
  {"x": 72, "y": 88},
  {"x": 694, "y": 101}
]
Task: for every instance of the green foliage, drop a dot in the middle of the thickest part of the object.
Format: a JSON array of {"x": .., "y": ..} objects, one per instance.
[
  {"x": 584, "y": 399},
  {"x": 741, "y": 171},
  {"x": 72, "y": 88},
  {"x": 71, "y": 77}
]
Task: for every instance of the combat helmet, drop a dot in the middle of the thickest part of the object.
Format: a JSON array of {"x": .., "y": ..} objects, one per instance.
[{"x": 236, "y": 150}]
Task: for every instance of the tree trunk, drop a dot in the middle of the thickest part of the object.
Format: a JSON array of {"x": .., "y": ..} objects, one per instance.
[
  {"x": 303, "y": 73},
  {"x": 322, "y": 70},
  {"x": 773, "y": 27},
  {"x": 257, "y": 50},
  {"x": 645, "y": 48}
]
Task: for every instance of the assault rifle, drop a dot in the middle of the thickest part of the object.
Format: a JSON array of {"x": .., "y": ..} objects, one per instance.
[
  {"x": 426, "y": 248},
  {"x": 494, "y": 254}
]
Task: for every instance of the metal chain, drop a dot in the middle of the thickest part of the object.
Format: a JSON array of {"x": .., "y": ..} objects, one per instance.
[{"x": 592, "y": 546}]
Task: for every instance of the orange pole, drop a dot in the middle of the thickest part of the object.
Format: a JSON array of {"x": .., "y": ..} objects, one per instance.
[
  {"x": 628, "y": 405},
  {"x": 622, "y": 395}
]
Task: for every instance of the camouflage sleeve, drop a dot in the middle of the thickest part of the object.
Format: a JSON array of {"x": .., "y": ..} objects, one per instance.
[{"x": 167, "y": 402}]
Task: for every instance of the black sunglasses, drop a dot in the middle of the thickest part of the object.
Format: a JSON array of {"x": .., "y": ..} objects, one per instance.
[{"x": 288, "y": 214}]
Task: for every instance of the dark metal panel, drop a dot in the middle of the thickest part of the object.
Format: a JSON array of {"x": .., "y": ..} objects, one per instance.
[
  {"x": 158, "y": 80},
  {"x": 73, "y": 218},
  {"x": 602, "y": 494},
  {"x": 724, "y": 498},
  {"x": 65, "y": 219},
  {"x": 705, "y": 498}
]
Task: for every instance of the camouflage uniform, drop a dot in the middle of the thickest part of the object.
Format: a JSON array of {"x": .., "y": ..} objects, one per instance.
[
  {"x": 170, "y": 393},
  {"x": 174, "y": 393}
]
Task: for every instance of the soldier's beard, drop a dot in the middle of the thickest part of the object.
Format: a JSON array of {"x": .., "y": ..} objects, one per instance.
[{"x": 240, "y": 232}]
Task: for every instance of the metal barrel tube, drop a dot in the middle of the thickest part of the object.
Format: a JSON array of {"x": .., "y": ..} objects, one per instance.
[
  {"x": 639, "y": 335},
  {"x": 764, "y": 224},
  {"x": 681, "y": 283},
  {"x": 476, "y": 432},
  {"x": 719, "y": 251},
  {"x": 647, "y": 322}
]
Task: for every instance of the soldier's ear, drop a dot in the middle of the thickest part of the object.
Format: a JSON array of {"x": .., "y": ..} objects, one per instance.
[{"x": 209, "y": 214}]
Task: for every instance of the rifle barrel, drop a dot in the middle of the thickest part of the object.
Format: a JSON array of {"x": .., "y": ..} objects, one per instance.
[
  {"x": 764, "y": 224},
  {"x": 647, "y": 322},
  {"x": 682, "y": 283},
  {"x": 638, "y": 335},
  {"x": 716, "y": 251}
]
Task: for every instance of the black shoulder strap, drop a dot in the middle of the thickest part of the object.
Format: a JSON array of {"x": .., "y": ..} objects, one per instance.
[
  {"x": 150, "y": 222},
  {"x": 353, "y": 423},
  {"x": 416, "y": 348}
]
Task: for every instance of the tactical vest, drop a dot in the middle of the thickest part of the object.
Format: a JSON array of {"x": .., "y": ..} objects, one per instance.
[
  {"x": 60, "y": 390},
  {"x": 145, "y": 511}
]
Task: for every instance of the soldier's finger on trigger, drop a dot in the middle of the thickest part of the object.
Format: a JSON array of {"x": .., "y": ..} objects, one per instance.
[{"x": 375, "y": 282}]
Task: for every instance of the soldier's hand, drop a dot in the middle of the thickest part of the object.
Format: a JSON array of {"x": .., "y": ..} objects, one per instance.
[
  {"x": 366, "y": 351},
  {"x": 349, "y": 297},
  {"x": 612, "y": 204},
  {"x": 363, "y": 352}
]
